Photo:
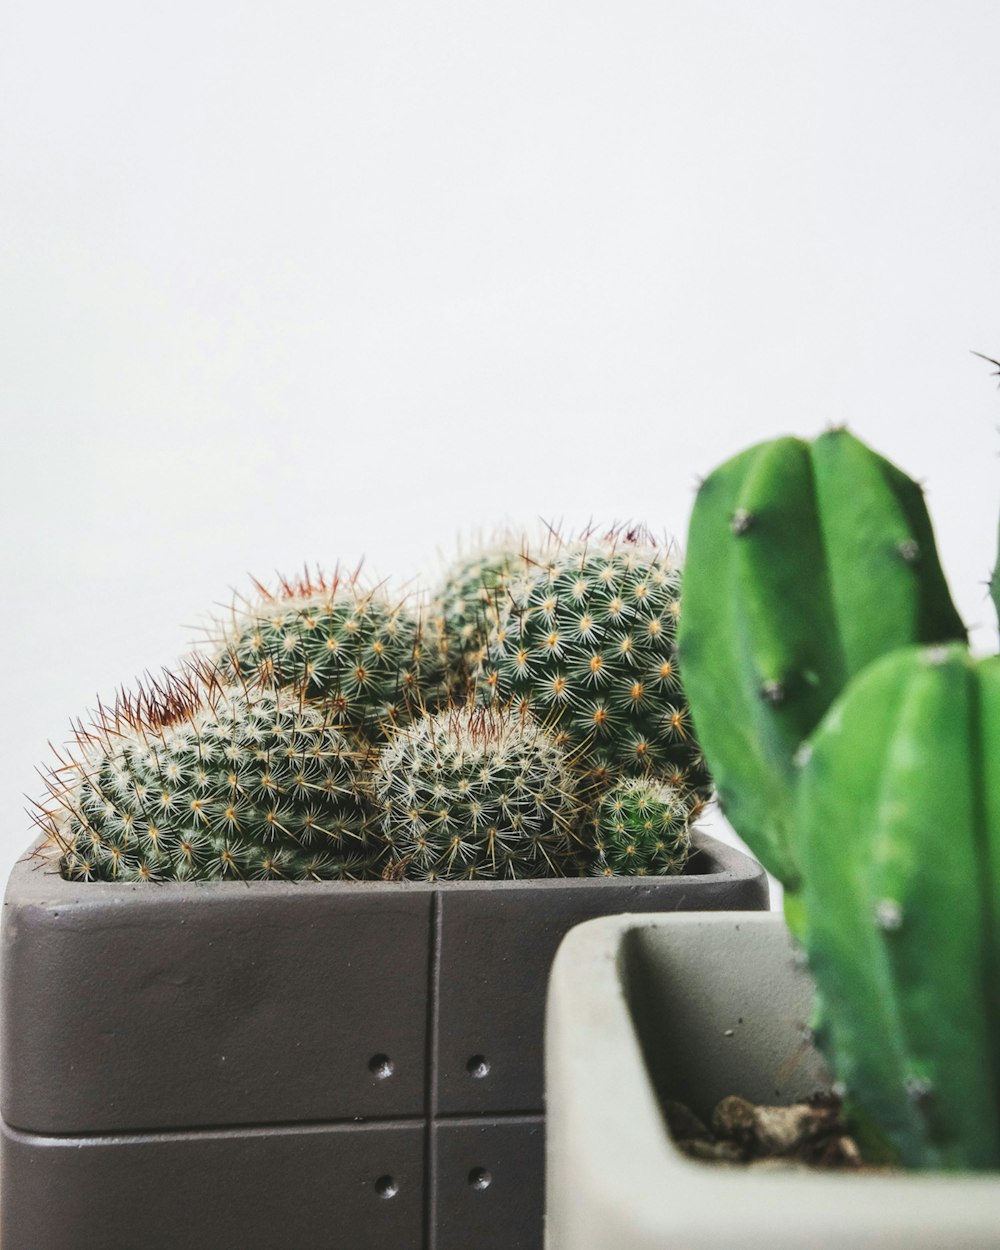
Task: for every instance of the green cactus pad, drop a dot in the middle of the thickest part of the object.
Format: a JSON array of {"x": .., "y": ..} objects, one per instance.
[
  {"x": 641, "y": 828},
  {"x": 369, "y": 659},
  {"x": 475, "y": 793},
  {"x": 187, "y": 782},
  {"x": 899, "y": 812},
  {"x": 587, "y": 641},
  {"x": 805, "y": 562}
]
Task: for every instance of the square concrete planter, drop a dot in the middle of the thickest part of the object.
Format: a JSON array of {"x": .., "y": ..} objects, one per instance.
[
  {"x": 643, "y": 1009},
  {"x": 325, "y": 1065}
]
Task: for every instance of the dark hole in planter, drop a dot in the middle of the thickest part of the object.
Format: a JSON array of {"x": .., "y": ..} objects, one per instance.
[
  {"x": 386, "y": 1187},
  {"x": 381, "y": 1067},
  {"x": 480, "y": 1178},
  {"x": 477, "y": 1067}
]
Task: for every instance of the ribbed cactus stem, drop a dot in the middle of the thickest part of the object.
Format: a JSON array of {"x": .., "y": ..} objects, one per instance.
[
  {"x": 899, "y": 812},
  {"x": 806, "y": 561}
]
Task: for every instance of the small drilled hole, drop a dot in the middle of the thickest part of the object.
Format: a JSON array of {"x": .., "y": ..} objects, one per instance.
[
  {"x": 480, "y": 1178},
  {"x": 478, "y": 1067},
  {"x": 381, "y": 1067},
  {"x": 386, "y": 1187}
]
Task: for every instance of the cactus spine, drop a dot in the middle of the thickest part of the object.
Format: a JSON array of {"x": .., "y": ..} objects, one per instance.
[
  {"x": 587, "y": 641},
  {"x": 899, "y": 810},
  {"x": 475, "y": 793},
  {"x": 641, "y": 828},
  {"x": 369, "y": 660},
  {"x": 787, "y": 596},
  {"x": 190, "y": 779}
]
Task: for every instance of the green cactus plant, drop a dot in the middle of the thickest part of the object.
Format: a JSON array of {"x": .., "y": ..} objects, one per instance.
[
  {"x": 370, "y": 660},
  {"x": 586, "y": 640},
  {"x": 805, "y": 562},
  {"x": 641, "y": 828},
  {"x": 465, "y": 606},
  {"x": 899, "y": 812},
  {"x": 189, "y": 778},
  {"x": 472, "y": 792}
]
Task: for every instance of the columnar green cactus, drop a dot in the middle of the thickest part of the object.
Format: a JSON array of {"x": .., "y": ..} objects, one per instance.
[
  {"x": 641, "y": 828},
  {"x": 369, "y": 659},
  {"x": 193, "y": 779},
  {"x": 587, "y": 642},
  {"x": 899, "y": 811},
  {"x": 476, "y": 793},
  {"x": 805, "y": 562}
]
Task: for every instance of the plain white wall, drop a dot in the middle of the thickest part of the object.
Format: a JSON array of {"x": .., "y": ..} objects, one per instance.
[{"x": 300, "y": 281}]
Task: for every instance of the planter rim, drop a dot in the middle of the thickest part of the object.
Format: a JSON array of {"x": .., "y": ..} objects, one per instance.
[
  {"x": 636, "y": 1180},
  {"x": 38, "y": 879}
]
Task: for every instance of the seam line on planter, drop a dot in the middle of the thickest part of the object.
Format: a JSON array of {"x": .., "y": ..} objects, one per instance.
[
  {"x": 285, "y": 1127},
  {"x": 201, "y": 1134},
  {"x": 431, "y": 1070}
]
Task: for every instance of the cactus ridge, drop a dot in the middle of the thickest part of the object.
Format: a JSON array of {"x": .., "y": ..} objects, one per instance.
[
  {"x": 475, "y": 792},
  {"x": 787, "y": 596},
  {"x": 370, "y": 660},
  {"x": 187, "y": 779},
  {"x": 586, "y": 640},
  {"x": 641, "y": 828},
  {"x": 911, "y": 998}
]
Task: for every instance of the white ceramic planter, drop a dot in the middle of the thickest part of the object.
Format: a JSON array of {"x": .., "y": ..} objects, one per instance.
[{"x": 694, "y": 1007}]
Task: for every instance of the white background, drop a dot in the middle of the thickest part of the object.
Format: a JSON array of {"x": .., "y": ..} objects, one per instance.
[{"x": 302, "y": 281}]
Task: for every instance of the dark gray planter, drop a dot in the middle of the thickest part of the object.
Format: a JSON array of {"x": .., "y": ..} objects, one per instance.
[
  {"x": 325, "y": 1065},
  {"x": 694, "y": 1008}
]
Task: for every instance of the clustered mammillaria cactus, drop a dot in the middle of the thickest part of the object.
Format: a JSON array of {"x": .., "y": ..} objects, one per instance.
[
  {"x": 586, "y": 637},
  {"x": 469, "y": 793},
  {"x": 190, "y": 778},
  {"x": 335, "y": 731}
]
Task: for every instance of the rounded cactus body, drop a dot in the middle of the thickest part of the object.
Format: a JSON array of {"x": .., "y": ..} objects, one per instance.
[
  {"x": 211, "y": 783},
  {"x": 370, "y": 660},
  {"x": 641, "y": 828},
  {"x": 476, "y": 793},
  {"x": 465, "y": 607},
  {"x": 587, "y": 641}
]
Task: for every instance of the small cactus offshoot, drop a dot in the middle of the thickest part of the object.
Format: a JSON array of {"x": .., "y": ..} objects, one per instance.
[
  {"x": 474, "y": 792},
  {"x": 641, "y": 828},
  {"x": 587, "y": 641},
  {"x": 368, "y": 658},
  {"x": 189, "y": 778}
]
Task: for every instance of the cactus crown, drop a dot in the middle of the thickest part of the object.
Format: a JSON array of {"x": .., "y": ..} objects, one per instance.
[
  {"x": 369, "y": 659},
  {"x": 587, "y": 639},
  {"x": 641, "y": 828},
  {"x": 191, "y": 778},
  {"x": 474, "y": 792}
]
